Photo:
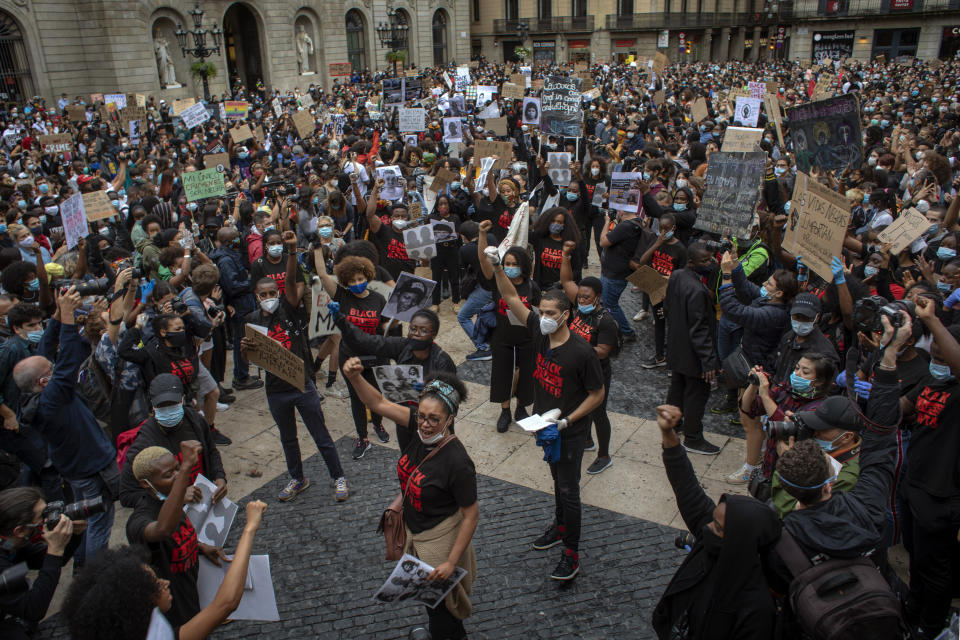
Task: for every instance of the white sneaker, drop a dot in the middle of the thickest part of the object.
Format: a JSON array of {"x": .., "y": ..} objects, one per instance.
[
  {"x": 641, "y": 315},
  {"x": 742, "y": 475},
  {"x": 221, "y": 407},
  {"x": 341, "y": 493}
]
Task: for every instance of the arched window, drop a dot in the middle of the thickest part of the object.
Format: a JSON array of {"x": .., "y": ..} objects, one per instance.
[
  {"x": 439, "y": 38},
  {"x": 16, "y": 82},
  {"x": 356, "y": 41}
]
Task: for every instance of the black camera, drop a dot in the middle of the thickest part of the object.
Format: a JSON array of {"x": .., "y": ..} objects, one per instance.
[
  {"x": 14, "y": 579},
  {"x": 753, "y": 378},
  {"x": 179, "y": 306},
  {"x": 97, "y": 287},
  {"x": 685, "y": 541},
  {"x": 79, "y": 510},
  {"x": 786, "y": 429},
  {"x": 719, "y": 246},
  {"x": 867, "y": 313},
  {"x": 215, "y": 310}
]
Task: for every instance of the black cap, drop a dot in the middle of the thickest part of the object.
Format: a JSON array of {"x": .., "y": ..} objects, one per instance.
[
  {"x": 166, "y": 387},
  {"x": 836, "y": 412},
  {"x": 806, "y": 305}
]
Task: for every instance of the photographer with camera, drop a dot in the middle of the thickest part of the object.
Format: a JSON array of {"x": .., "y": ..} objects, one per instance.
[
  {"x": 29, "y": 537},
  {"x": 76, "y": 444}
]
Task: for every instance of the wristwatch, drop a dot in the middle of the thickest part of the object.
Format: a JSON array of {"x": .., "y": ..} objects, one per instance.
[{"x": 728, "y": 276}]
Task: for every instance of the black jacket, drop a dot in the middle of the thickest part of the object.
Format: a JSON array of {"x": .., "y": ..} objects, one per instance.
[
  {"x": 395, "y": 348},
  {"x": 31, "y": 605},
  {"x": 691, "y": 325},
  {"x": 763, "y": 322}
]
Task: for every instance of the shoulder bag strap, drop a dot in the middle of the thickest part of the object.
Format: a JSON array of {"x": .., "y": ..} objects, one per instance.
[
  {"x": 429, "y": 455},
  {"x": 791, "y": 553}
]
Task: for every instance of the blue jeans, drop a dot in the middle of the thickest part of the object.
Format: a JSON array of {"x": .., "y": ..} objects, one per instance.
[
  {"x": 97, "y": 535},
  {"x": 612, "y": 289},
  {"x": 479, "y": 298},
  {"x": 308, "y": 404},
  {"x": 241, "y": 370}
]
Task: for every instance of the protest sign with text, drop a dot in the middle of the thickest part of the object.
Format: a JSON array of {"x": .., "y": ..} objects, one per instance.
[
  {"x": 732, "y": 189},
  {"x": 268, "y": 353},
  {"x": 561, "y": 112},
  {"x": 826, "y": 134},
  {"x": 818, "y": 222},
  {"x": 198, "y": 185}
]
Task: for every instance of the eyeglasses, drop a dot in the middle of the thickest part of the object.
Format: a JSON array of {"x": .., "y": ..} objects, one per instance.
[{"x": 430, "y": 421}]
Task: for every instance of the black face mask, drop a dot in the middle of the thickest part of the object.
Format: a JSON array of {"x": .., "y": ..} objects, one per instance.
[
  {"x": 712, "y": 543},
  {"x": 176, "y": 338},
  {"x": 420, "y": 345},
  {"x": 704, "y": 270}
]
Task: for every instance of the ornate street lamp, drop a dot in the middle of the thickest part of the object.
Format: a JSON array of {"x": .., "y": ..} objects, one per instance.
[
  {"x": 393, "y": 35},
  {"x": 199, "y": 49}
]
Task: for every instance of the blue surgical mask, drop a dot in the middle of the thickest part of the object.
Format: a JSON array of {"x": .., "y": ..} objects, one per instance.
[
  {"x": 763, "y": 292},
  {"x": 668, "y": 235},
  {"x": 455, "y": 186},
  {"x": 44, "y": 188},
  {"x": 325, "y": 232},
  {"x": 586, "y": 308},
  {"x": 35, "y": 336},
  {"x": 884, "y": 123},
  {"x": 826, "y": 445},
  {"x": 169, "y": 416},
  {"x": 946, "y": 253},
  {"x": 944, "y": 287},
  {"x": 243, "y": 155},
  {"x": 191, "y": 206},
  {"x": 275, "y": 250},
  {"x": 512, "y": 272},
  {"x": 43, "y": 219},
  {"x": 3, "y": 227},
  {"x": 779, "y": 171},
  {"x": 933, "y": 230},
  {"x": 572, "y": 197},
  {"x": 556, "y": 228},
  {"x": 800, "y": 384},
  {"x": 679, "y": 206},
  {"x": 34, "y": 285},
  {"x": 786, "y": 207},
  {"x": 22, "y": 204},
  {"x": 801, "y": 328},
  {"x": 940, "y": 372},
  {"x": 646, "y": 176},
  {"x": 160, "y": 496},
  {"x": 358, "y": 288},
  {"x": 870, "y": 270}
]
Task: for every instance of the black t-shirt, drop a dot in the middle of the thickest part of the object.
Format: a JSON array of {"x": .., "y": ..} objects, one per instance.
[
  {"x": 175, "y": 559},
  {"x": 393, "y": 253},
  {"x": 932, "y": 461},
  {"x": 563, "y": 375},
  {"x": 665, "y": 258},
  {"x": 913, "y": 372},
  {"x": 447, "y": 482},
  {"x": 596, "y": 328},
  {"x": 506, "y": 332},
  {"x": 623, "y": 239},
  {"x": 263, "y": 268},
  {"x": 548, "y": 256},
  {"x": 364, "y": 313},
  {"x": 288, "y": 326}
]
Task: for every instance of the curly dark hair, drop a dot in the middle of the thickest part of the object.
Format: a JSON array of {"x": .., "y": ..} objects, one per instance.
[
  {"x": 523, "y": 260},
  {"x": 542, "y": 225},
  {"x": 350, "y": 266},
  {"x": 16, "y": 276},
  {"x": 361, "y": 248},
  {"x": 806, "y": 465},
  {"x": 112, "y": 597},
  {"x": 22, "y": 313}
]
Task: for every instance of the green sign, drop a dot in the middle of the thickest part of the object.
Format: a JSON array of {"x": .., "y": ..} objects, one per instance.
[{"x": 203, "y": 184}]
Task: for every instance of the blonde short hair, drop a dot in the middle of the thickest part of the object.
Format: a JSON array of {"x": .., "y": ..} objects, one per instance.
[{"x": 143, "y": 463}]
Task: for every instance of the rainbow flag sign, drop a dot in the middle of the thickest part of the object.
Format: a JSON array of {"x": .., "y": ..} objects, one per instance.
[{"x": 236, "y": 108}]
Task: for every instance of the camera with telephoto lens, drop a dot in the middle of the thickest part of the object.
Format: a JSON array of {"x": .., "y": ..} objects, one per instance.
[
  {"x": 785, "y": 429},
  {"x": 868, "y": 312},
  {"x": 215, "y": 310},
  {"x": 178, "y": 306},
  {"x": 14, "y": 579},
  {"x": 79, "y": 510},
  {"x": 753, "y": 378},
  {"x": 719, "y": 246},
  {"x": 97, "y": 287}
]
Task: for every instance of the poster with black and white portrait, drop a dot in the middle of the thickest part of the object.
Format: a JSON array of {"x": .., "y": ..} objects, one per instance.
[
  {"x": 411, "y": 140},
  {"x": 420, "y": 242},
  {"x": 212, "y": 520},
  {"x": 443, "y": 231},
  {"x": 393, "y": 91},
  {"x": 396, "y": 381},
  {"x": 457, "y": 104},
  {"x": 452, "y": 130},
  {"x": 410, "y": 294},
  {"x": 531, "y": 111},
  {"x": 393, "y": 182},
  {"x": 408, "y": 581}
]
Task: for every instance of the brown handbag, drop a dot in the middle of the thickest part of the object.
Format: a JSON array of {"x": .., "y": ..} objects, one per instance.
[{"x": 391, "y": 522}]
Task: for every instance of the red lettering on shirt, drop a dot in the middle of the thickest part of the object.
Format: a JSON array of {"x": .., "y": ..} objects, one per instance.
[
  {"x": 406, "y": 469},
  {"x": 930, "y": 404},
  {"x": 662, "y": 262},
  {"x": 549, "y": 375},
  {"x": 503, "y": 307},
  {"x": 365, "y": 319},
  {"x": 551, "y": 258},
  {"x": 581, "y": 328},
  {"x": 280, "y": 279},
  {"x": 396, "y": 250},
  {"x": 505, "y": 219},
  {"x": 185, "y": 546}
]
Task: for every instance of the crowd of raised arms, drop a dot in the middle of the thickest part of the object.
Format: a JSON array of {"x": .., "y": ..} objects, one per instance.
[{"x": 125, "y": 333}]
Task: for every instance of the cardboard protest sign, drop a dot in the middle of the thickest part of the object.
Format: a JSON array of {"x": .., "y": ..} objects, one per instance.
[
  {"x": 442, "y": 179},
  {"x": 818, "y": 222},
  {"x": 757, "y": 89},
  {"x": 241, "y": 134},
  {"x": 518, "y": 79},
  {"x": 76, "y": 113},
  {"x": 826, "y": 134},
  {"x": 96, "y": 97},
  {"x": 340, "y": 69},
  {"x": 587, "y": 79},
  {"x": 412, "y": 119},
  {"x": 198, "y": 185},
  {"x": 908, "y": 227},
  {"x": 56, "y": 143},
  {"x": 497, "y": 125},
  {"x": 659, "y": 97},
  {"x": 772, "y": 87},
  {"x": 304, "y": 122},
  {"x": 194, "y": 115},
  {"x": 772, "y": 104},
  {"x": 741, "y": 139},
  {"x": 651, "y": 282},
  {"x": 490, "y": 148},
  {"x": 97, "y": 206},
  {"x": 74, "y": 220},
  {"x": 747, "y": 111},
  {"x": 561, "y": 111},
  {"x": 218, "y": 161},
  {"x": 180, "y": 105},
  {"x": 511, "y": 91},
  {"x": 699, "y": 111},
  {"x": 321, "y": 320},
  {"x": 660, "y": 61},
  {"x": 732, "y": 189},
  {"x": 593, "y": 94},
  {"x": 271, "y": 355}
]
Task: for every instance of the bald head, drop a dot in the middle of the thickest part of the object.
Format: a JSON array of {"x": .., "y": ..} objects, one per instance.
[
  {"x": 226, "y": 236},
  {"x": 28, "y": 372}
]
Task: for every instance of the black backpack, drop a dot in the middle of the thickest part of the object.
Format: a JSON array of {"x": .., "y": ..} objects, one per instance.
[
  {"x": 95, "y": 388},
  {"x": 839, "y": 599}
]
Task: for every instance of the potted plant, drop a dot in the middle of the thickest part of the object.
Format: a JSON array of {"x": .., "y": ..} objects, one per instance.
[
  {"x": 522, "y": 52},
  {"x": 395, "y": 57}
]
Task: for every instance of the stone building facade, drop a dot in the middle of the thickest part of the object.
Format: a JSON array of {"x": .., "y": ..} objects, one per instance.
[{"x": 49, "y": 47}]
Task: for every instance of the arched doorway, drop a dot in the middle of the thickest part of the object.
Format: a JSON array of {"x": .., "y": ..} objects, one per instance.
[
  {"x": 439, "y": 38},
  {"x": 356, "y": 40},
  {"x": 404, "y": 18},
  {"x": 241, "y": 39},
  {"x": 16, "y": 81}
]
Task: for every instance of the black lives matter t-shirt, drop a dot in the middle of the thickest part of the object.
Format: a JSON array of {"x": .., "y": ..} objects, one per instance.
[
  {"x": 507, "y": 332},
  {"x": 393, "y": 253},
  {"x": 263, "y": 268},
  {"x": 438, "y": 488},
  {"x": 596, "y": 328},
  {"x": 174, "y": 559},
  {"x": 364, "y": 313},
  {"x": 288, "y": 326},
  {"x": 932, "y": 461},
  {"x": 563, "y": 375},
  {"x": 548, "y": 254}
]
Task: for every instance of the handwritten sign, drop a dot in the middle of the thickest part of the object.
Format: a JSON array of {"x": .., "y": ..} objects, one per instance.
[
  {"x": 76, "y": 113},
  {"x": 241, "y": 134},
  {"x": 304, "y": 122},
  {"x": 412, "y": 120},
  {"x": 651, "y": 282},
  {"x": 512, "y": 91},
  {"x": 268, "y": 353},
  {"x": 490, "y": 148},
  {"x": 119, "y": 99},
  {"x": 772, "y": 104},
  {"x": 56, "y": 143},
  {"x": 497, "y": 125},
  {"x": 194, "y": 115},
  {"x": 218, "y": 161},
  {"x": 660, "y": 62},
  {"x": 699, "y": 111},
  {"x": 757, "y": 89},
  {"x": 321, "y": 320},
  {"x": 74, "y": 220},
  {"x": 340, "y": 69},
  {"x": 818, "y": 222},
  {"x": 732, "y": 189},
  {"x": 179, "y": 106},
  {"x": 561, "y": 112},
  {"x": 442, "y": 179},
  {"x": 904, "y": 230},
  {"x": 741, "y": 139},
  {"x": 198, "y": 185},
  {"x": 97, "y": 206}
]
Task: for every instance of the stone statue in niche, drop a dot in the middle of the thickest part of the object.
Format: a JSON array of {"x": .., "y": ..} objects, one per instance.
[
  {"x": 168, "y": 74},
  {"x": 304, "y": 50}
]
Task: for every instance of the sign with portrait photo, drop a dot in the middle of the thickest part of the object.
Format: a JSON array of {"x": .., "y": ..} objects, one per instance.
[
  {"x": 452, "y": 131},
  {"x": 396, "y": 381},
  {"x": 420, "y": 242},
  {"x": 410, "y": 294},
  {"x": 826, "y": 134},
  {"x": 531, "y": 111}
]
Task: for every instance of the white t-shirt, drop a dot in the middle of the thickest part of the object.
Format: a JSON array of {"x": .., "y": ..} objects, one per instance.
[{"x": 159, "y": 628}]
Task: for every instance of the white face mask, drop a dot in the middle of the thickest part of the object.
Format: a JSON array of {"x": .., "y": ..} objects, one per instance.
[
  {"x": 594, "y": 171},
  {"x": 270, "y": 304},
  {"x": 434, "y": 439},
  {"x": 548, "y": 325},
  {"x": 681, "y": 183}
]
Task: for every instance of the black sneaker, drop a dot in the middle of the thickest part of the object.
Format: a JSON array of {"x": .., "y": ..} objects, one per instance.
[
  {"x": 249, "y": 383},
  {"x": 701, "y": 446},
  {"x": 219, "y": 439},
  {"x": 381, "y": 433},
  {"x": 726, "y": 407},
  {"x": 480, "y": 354},
  {"x": 227, "y": 396},
  {"x": 362, "y": 447},
  {"x": 735, "y": 421},
  {"x": 599, "y": 465},
  {"x": 653, "y": 363},
  {"x": 568, "y": 567},
  {"x": 520, "y": 414},
  {"x": 550, "y": 538},
  {"x": 629, "y": 337},
  {"x": 590, "y": 446},
  {"x": 503, "y": 422},
  {"x": 331, "y": 378}
]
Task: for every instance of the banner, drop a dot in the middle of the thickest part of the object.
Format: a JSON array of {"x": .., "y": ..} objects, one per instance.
[
  {"x": 732, "y": 189},
  {"x": 561, "y": 112},
  {"x": 832, "y": 45},
  {"x": 818, "y": 222},
  {"x": 826, "y": 134},
  {"x": 198, "y": 185}
]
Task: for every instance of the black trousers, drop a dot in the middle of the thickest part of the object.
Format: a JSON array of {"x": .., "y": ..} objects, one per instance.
[
  {"x": 501, "y": 372},
  {"x": 446, "y": 263},
  {"x": 566, "y": 488},
  {"x": 444, "y": 625},
  {"x": 690, "y": 394},
  {"x": 359, "y": 410},
  {"x": 601, "y": 421},
  {"x": 659, "y": 330},
  {"x": 218, "y": 360}
]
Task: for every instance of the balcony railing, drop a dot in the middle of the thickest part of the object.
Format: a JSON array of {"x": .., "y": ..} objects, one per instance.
[
  {"x": 536, "y": 26},
  {"x": 648, "y": 21},
  {"x": 864, "y": 8}
]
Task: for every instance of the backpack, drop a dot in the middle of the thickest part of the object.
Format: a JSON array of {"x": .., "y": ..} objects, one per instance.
[
  {"x": 618, "y": 345},
  {"x": 759, "y": 275},
  {"x": 94, "y": 388},
  {"x": 839, "y": 599}
]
